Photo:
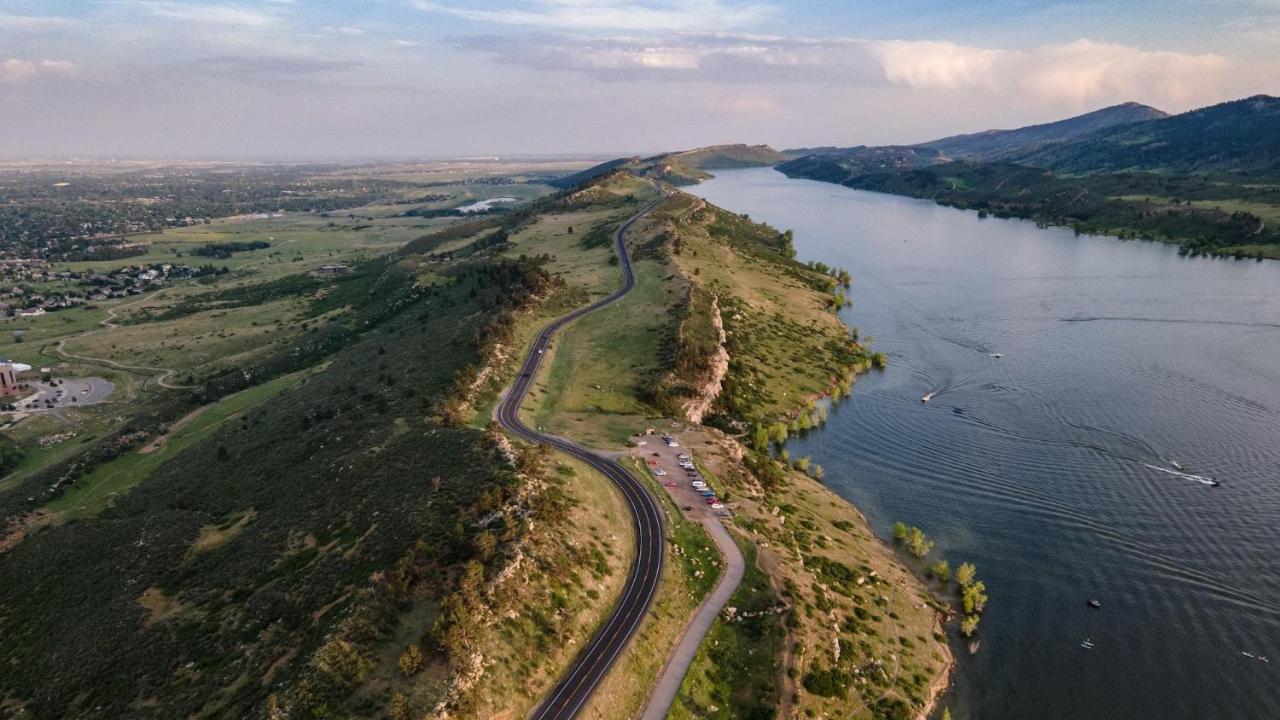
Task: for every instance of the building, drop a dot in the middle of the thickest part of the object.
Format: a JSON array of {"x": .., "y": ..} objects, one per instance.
[{"x": 9, "y": 376}]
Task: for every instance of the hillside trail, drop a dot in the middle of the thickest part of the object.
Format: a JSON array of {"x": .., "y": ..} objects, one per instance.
[{"x": 162, "y": 373}]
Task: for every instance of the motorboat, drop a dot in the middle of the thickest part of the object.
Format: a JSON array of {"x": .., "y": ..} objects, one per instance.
[
  {"x": 1087, "y": 644},
  {"x": 1095, "y": 604},
  {"x": 928, "y": 396}
]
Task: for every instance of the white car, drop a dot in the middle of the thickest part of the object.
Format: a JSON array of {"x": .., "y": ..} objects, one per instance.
[
  {"x": 682, "y": 456},
  {"x": 699, "y": 485},
  {"x": 659, "y": 472},
  {"x": 717, "y": 506},
  {"x": 641, "y": 443}
]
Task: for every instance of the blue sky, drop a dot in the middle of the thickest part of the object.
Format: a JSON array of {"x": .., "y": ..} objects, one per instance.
[{"x": 290, "y": 78}]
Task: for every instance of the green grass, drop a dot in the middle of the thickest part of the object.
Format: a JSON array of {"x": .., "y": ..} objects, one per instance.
[
  {"x": 92, "y": 493},
  {"x": 736, "y": 671},
  {"x": 590, "y": 387}
]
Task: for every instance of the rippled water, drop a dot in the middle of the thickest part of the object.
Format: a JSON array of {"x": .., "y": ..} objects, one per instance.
[{"x": 1052, "y": 467}]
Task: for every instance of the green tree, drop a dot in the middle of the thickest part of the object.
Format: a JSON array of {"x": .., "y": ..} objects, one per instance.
[
  {"x": 917, "y": 543},
  {"x": 410, "y": 662},
  {"x": 817, "y": 471},
  {"x": 974, "y": 597},
  {"x": 941, "y": 570},
  {"x": 968, "y": 625},
  {"x": 900, "y": 531},
  {"x": 966, "y": 573}
]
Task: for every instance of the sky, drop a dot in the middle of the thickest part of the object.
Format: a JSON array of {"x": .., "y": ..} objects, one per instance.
[{"x": 452, "y": 78}]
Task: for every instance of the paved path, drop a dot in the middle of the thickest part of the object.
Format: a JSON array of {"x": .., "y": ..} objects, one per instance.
[
  {"x": 591, "y": 666},
  {"x": 668, "y": 685},
  {"x": 669, "y": 680}
]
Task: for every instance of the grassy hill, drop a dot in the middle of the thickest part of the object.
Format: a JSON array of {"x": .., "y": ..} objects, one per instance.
[
  {"x": 1206, "y": 179},
  {"x": 336, "y": 538},
  {"x": 1240, "y": 137},
  {"x": 997, "y": 144}
]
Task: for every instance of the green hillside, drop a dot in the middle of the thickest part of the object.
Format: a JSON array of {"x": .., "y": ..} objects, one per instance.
[
  {"x": 997, "y": 144},
  {"x": 1239, "y": 137}
]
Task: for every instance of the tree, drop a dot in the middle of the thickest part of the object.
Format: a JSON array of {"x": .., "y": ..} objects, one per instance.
[
  {"x": 410, "y": 662},
  {"x": 801, "y": 464},
  {"x": 968, "y": 625},
  {"x": 818, "y": 472},
  {"x": 399, "y": 709},
  {"x": 974, "y": 597},
  {"x": 946, "y": 713},
  {"x": 966, "y": 573},
  {"x": 899, "y": 531},
  {"x": 941, "y": 570},
  {"x": 917, "y": 544},
  {"x": 760, "y": 438}
]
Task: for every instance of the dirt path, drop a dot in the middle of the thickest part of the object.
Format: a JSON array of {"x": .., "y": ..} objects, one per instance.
[
  {"x": 182, "y": 422},
  {"x": 162, "y": 374}
]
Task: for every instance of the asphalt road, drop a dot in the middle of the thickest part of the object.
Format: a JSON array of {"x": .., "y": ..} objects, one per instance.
[{"x": 573, "y": 690}]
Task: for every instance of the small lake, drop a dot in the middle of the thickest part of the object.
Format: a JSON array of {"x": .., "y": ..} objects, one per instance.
[
  {"x": 484, "y": 205},
  {"x": 1054, "y": 467}
]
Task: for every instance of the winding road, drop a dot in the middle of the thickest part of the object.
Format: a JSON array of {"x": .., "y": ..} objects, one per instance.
[{"x": 575, "y": 687}]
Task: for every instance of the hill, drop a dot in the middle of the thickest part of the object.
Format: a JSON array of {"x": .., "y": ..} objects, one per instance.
[
  {"x": 688, "y": 167},
  {"x": 1239, "y": 137},
  {"x": 996, "y": 144},
  {"x": 591, "y": 173}
]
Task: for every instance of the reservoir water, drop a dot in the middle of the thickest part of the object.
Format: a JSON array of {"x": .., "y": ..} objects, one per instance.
[{"x": 1054, "y": 467}]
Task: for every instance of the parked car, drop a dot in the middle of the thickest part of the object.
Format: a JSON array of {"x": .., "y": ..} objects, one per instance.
[
  {"x": 668, "y": 484},
  {"x": 659, "y": 472},
  {"x": 688, "y": 508},
  {"x": 717, "y": 506}
]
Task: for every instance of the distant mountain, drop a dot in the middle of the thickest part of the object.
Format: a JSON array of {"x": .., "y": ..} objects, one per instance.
[
  {"x": 1143, "y": 178},
  {"x": 722, "y": 157},
  {"x": 591, "y": 173},
  {"x": 1000, "y": 144},
  {"x": 838, "y": 164},
  {"x": 1241, "y": 137},
  {"x": 684, "y": 167}
]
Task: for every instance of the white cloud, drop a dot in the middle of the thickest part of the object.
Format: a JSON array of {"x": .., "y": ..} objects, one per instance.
[
  {"x": 18, "y": 70},
  {"x": 28, "y": 23},
  {"x": 204, "y": 14},
  {"x": 345, "y": 30},
  {"x": 1075, "y": 74},
  {"x": 663, "y": 15}
]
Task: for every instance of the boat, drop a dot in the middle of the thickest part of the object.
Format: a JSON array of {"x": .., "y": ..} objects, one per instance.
[
  {"x": 1087, "y": 644},
  {"x": 1215, "y": 483},
  {"x": 1095, "y": 604},
  {"x": 928, "y": 396},
  {"x": 1177, "y": 465},
  {"x": 996, "y": 355}
]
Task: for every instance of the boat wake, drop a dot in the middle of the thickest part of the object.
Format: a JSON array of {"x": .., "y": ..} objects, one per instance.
[{"x": 1190, "y": 476}]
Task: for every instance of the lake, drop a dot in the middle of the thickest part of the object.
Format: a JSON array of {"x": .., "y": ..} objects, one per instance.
[{"x": 1054, "y": 467}]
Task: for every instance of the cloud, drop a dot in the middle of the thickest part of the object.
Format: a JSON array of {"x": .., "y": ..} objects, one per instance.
[
  {"x": 267, "y": 68},
  {"x": 1071, "y": 74},
  {"x": 32, "y": 23},
  {"x": 18, "y": 70},
  {"x": 204, "y": 14},
  {"x": 662, "y": 15},
  {"x": 1076, "y": 73}
]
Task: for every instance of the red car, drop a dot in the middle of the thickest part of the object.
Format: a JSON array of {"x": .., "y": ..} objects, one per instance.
[
  {"x": 668, "y": 484},
  {"x": 712, "y": 500}
]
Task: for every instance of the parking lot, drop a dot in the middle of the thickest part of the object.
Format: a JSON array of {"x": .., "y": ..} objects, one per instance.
[{"x": 664, "y": 461}]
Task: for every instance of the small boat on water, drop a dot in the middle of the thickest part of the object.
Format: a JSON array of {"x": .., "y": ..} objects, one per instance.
[
  {"x": 1177, "y": 465},
  {"x": 1087, "y": 644},
  {"x": 1095, "y": 604},
  {"x": 1215, "y": 483},
  {"x": 1255, "y": 657},
  {"x": 996, "y": 355},
  {"x": 928, "y": 396}
]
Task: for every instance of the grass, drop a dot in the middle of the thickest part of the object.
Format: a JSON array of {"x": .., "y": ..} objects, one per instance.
[
  {"x": 590, "y": 387},
  {"x": 92, "y": 493},
  {"x": 738, "y": 669}
]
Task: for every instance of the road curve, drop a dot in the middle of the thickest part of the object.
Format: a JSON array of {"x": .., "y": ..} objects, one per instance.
[{"x": 575, "y": 687}]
